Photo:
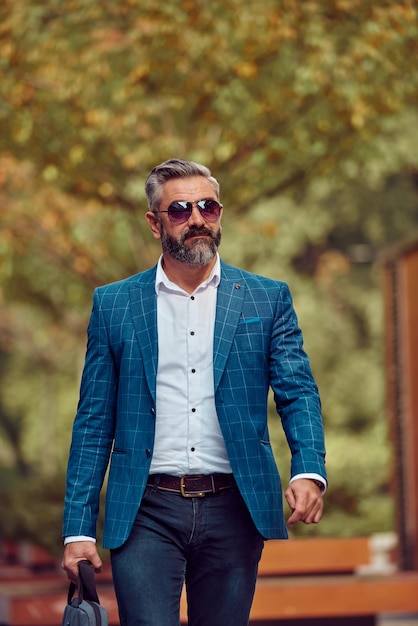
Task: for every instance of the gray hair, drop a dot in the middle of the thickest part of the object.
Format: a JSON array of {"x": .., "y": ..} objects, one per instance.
[{"x": 174, "y": 168}]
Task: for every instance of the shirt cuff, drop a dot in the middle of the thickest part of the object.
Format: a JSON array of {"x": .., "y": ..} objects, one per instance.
[
  {"x": 74, "y": 538},
  {"x": 312, "y": 476}
]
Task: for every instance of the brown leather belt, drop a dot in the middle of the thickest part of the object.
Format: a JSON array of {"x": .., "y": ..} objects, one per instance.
[{"x": 192, "y": 485}]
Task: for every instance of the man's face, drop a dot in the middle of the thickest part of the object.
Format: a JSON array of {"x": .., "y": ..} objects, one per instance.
[{"x": 196, "y": 241}]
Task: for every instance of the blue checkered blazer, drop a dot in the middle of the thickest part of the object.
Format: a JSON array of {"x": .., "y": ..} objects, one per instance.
[{"x": 257, "y": 345}]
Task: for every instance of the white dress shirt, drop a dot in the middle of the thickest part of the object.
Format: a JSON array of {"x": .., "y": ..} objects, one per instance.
[{"x": 188, "y": 438}]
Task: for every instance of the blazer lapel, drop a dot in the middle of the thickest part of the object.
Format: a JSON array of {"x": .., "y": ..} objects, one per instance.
[
  {"x": 143, "y": 302},
  {"x": 229, "y": 303}
]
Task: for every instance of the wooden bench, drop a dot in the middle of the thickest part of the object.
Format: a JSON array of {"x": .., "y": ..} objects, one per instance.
[
  {"x": 331, "y": 581},
  {"x": 303, "y": 582}
]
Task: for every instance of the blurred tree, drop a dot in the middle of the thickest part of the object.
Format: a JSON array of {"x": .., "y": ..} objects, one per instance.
[
  {"x": 271, "y": 95},
  {"x": 336, "y": 287},
  {"x": 306, "y": 111}
]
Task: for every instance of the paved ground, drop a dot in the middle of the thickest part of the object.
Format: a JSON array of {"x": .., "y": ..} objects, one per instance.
[{"x": 401, "y": 620}]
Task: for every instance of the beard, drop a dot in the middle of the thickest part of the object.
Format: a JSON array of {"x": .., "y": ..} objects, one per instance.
[{"x": 197, "y": 252}]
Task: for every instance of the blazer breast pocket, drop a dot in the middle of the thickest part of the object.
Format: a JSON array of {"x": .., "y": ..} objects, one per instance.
[
  {"x": 250, "y": 342},
  {"x": 250, "y": 325}
]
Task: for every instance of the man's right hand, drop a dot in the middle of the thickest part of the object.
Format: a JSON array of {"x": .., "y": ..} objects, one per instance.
[{"x": 80, "y": 551}]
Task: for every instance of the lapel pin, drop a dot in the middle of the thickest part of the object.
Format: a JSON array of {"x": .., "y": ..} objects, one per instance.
[{"x": 237, "y": 286}]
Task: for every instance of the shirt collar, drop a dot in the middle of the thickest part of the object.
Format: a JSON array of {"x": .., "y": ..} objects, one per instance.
[{"x": 161, "y": 278}]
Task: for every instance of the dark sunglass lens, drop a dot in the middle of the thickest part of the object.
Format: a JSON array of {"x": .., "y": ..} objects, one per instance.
[
  {"x": 210, "y": 209},
  {"x": 179, "y": 212}
]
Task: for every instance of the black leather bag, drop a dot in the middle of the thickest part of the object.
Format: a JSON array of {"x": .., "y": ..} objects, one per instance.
[{"x": 85, "y": 609}]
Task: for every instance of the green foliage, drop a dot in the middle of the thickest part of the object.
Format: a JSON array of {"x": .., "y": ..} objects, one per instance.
[
  {"x": 270, "y": 94},
  {"x": 339, "y": 304},
  {"x": 32, "y": 509},
  {"x": 306, "y": 112}
]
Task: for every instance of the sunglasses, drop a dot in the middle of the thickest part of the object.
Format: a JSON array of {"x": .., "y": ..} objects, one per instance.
[{"x": 179, "y": 212}]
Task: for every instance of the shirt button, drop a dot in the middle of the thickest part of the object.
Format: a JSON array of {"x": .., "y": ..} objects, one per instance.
[
  {"x": 192, "y": 449},
  {"x": 192, "y": 332},
  {"x": 193, "y": 410},
  {"x": 192, "y": 298},
  {"x": 193, "y": 370}
]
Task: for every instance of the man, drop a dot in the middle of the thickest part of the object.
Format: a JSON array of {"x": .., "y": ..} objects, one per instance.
[{"x": 174, "y": 392}]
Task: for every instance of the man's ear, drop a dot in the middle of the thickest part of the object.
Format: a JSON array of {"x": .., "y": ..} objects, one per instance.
[{"x": 154, "y": 224}]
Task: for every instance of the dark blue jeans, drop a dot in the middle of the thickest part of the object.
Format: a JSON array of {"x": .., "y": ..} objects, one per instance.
[{"x": 209, "y": 543}]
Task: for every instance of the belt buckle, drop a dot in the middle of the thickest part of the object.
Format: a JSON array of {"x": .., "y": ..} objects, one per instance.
[{"x": 185, "y": 494}]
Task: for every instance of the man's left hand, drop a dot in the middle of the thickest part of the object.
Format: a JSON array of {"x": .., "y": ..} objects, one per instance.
[{"x": 305, "y": 500}]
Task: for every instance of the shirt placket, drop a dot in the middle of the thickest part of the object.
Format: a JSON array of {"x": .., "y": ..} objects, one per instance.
[{"x": 194, "y": 384}]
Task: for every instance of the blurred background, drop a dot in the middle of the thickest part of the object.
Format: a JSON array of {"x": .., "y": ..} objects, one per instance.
[{"x": 306, "y": 112}]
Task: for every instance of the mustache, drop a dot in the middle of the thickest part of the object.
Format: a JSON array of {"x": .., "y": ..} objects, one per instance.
[{"x": 196, "y": 232}]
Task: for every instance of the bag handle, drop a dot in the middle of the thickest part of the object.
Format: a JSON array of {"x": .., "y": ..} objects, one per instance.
[{"x": 86, "y": 587}]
